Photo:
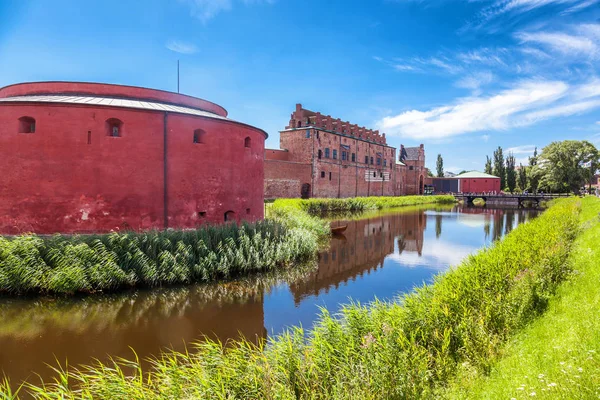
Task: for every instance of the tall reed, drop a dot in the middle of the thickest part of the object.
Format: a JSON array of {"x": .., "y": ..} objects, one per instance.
[{"x": 70, "y": 264}]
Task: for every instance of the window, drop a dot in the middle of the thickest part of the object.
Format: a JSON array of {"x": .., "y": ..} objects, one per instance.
[
  {"x": 366, "y": 159},
  {"x": 334, "y": 154},
  {"x": 320, "y": 154},
  {"x": 322, "y": 174},
  {"x": 378, "y": 161},
  {"x": 299, "y": 124},
  {"x": 308, "y": 133},
  {"x": 89, "y": 137},
  {"x": 247, "y": 211},
  {"x": 344, "y": 157},
  {"x": 202, "y": 214},
  {"x": 381, "y": 174},
  {"x": 371, "y": 160},
  {"x": 247, "y": 142},
  {"x": 199, "y": 136},
  {"x": 410, "y": 168},
  {"x": 374, "y": 174},
  {"x": 385, "y": 163},
  {"x": 114, "y": 127},
  {"x": 353, "y": 157},
  {"x": 229, "y": 216},
  {"x": 330, "y": 176},
  {"x": 26, "y": 125},
  {"x": 327, "y": 152}
]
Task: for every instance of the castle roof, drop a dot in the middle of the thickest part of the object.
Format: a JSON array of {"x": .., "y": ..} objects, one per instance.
[{"x": 409, "y": 153}]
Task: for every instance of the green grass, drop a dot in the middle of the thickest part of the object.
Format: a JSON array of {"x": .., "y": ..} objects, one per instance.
[
  {"x": 558, "y": 355},
  {"x": 409, "y": 348}
]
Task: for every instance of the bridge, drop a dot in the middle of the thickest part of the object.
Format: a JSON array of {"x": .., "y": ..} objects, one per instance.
[{"x": 519, "y": 199}]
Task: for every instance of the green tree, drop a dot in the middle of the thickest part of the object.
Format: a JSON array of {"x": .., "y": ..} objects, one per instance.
[
  {"x": 533, "y": 181},
  {"x": 522, "y": 177},
  {"x": 488, "y": 165},
  {"x": 429, "y": 173},
  {"x": 565, "y": 166},
  {"x": 511, "y": 173},
  {"x": 499, "y": 169},
  {"x": 440, "y": 166}
]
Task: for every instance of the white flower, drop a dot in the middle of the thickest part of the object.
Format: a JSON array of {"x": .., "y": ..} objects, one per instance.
[
  {"x": 552, "y": 384},
  {"x": 520, "y": 388},
  {"x": 562, "y": 363},
  {"x": 532, "y": 394},
  {"x": 580, "y": 369}
]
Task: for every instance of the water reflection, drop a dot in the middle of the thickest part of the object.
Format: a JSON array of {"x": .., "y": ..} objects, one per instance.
[{"x": 378, "y": 256}]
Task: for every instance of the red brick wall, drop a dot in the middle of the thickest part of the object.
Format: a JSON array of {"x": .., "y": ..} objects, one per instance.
[
  {"x": 54, "y": 181},
  {"x": 478, "y": 185},
  {"x": 284, "y": 179}
]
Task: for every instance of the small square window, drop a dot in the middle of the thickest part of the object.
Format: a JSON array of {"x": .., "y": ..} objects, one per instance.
[
  {"x": 247, "y": 211},
  {"x": 202, "y": 214}
]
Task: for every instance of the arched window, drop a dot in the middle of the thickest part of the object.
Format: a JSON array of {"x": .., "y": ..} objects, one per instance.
[
  {"x": 247, "y": 141},
  {"x": 199, "y": 136},
  {"x": 26, "y": 125},
  {"x": 229, "y": 216},
  {"x": 114, "y": 127}
]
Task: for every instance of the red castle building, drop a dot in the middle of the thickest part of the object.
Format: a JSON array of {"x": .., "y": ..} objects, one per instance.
[
  {"x": 325, "y": 157},
  {"x": 88, "y": 157}
]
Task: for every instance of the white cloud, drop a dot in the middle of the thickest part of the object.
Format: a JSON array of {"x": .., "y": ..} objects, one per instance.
[
  {"x": 526, "y": 149},
  {"x": 475, "y": 81},
  {"x": 182, "y": 47},
  {"x": 524, "y": 104},
  {"x": 205, "y": 10},
  {"x": 404, "y": 67},
  {"x": 485, "y": 138},
  {"x": 561, "y": 42}
]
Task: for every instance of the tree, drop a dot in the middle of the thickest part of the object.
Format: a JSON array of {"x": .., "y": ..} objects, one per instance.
[
  {"x": 429, "y": 173},
  {"x": 533, "y": 181},
  {"x": 511, "y": 173},
  {"x": 488, "y": 165},
  {"x": 522, "y": 177},
  {"x": 499, "y": 169},
  {"x": 440, "y": 166},
  {"x": 565, "y": 166}
]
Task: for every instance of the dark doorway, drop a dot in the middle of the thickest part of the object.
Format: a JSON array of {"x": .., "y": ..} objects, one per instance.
[{"x": 305, "y": 191}]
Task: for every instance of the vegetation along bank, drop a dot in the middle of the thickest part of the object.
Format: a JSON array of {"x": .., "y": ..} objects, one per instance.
[
  {"x": 409, "y": 348},
  {"x": 60, "y": 264}
]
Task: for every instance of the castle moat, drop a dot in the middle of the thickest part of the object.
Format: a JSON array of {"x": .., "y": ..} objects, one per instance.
[{"x": 379, "y": 255}]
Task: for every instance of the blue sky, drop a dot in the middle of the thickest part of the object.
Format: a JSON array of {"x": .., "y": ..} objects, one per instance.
[{"x": 462, "y": 77}]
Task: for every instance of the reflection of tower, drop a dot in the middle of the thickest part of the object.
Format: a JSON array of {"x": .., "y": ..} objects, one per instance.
[
  {"x": 147, "y": 320},
  {"x": 438, "y": 225},
  {"x": 361, "y": 249},
  {"x": 412, "y": 226}
]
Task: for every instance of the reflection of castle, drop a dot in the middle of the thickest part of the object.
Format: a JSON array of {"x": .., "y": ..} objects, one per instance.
[
  {"x": 146, "y": 320},
  {"x": 361, "y": 249}
]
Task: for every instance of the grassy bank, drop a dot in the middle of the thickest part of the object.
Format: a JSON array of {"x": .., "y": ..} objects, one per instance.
[
  {"x": 406, "y": 349},
  {"x": 70, "y": 264},
  {"x": 558, "y": 355}
]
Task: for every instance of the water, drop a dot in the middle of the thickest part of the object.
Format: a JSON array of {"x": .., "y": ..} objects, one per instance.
[{"x": 379, "y": 256}]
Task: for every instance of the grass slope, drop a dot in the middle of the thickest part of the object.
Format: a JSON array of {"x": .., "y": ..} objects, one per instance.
[{"x": 558, "y": 355}]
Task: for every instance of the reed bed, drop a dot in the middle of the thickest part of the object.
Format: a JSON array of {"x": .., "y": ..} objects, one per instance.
[
  {"x": 92, "y": 263},
  {"x": 408, "y": 348},
  {"x": 317, "y": 207}
]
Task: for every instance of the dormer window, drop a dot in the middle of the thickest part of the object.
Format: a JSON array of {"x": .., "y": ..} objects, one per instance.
[
  {"x": 26, "y": 125},
  {"x": 114, "y": 127}
]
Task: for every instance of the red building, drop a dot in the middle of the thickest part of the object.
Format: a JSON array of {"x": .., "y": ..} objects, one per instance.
[
  {"x": 477, "y": 182},
  {"x": 88, "y": 157},
  {"x": 322, "y": 156}
]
